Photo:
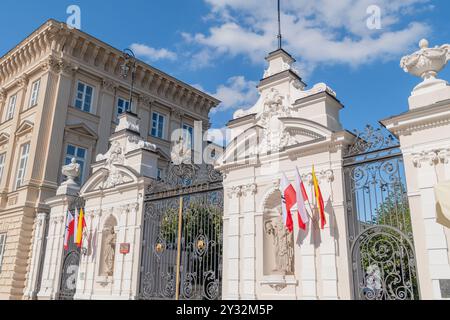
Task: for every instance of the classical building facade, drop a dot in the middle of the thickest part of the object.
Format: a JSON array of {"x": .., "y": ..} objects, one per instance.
[
  {"x": 199, "y": 234},
  {"x": 385, "y": 202},
  {"x": 61, "y": 92}
]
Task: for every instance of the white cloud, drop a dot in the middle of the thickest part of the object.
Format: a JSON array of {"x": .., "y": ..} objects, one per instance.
[
  {"x": 151, "y": 54},
  {"x": 317, "y": 32},
  {"x": 236, "y": 93}
]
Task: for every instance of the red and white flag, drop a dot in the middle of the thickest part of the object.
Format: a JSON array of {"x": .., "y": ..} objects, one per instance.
[
  {"x": 75, "y": 225},
  {"x": 288, "y": 199},
  {"x": 302, "y": 197},
  {"x": 69, "y": 229}
]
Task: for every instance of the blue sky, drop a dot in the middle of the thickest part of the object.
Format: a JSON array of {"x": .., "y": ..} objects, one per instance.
[{"x": 219, "y": 45}]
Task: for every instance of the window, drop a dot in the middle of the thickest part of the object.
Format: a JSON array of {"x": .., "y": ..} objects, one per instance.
[
  {"x": 80, "y": 156},
  {"x": 2, "y": 164},
  {"x": 34, "y": 93},
  {"x": 11, "y": 107},
  {"x": 122, "y": 106},
  {"x": 83, "y": 100},
  {"x": 2, "y": 248},
  {"x": 157, "y": 125},
  {"x": 159, "y": 174},
  {"x": 24, "y": 152},
  {"x": 188, "y": 135}
]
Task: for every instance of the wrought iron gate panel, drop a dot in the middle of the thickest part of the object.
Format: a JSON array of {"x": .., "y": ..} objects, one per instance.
[
  {"x": 379, "y": 223},
  {"x": 71, "y": 261},
  {"x": 201, "y": 235}
]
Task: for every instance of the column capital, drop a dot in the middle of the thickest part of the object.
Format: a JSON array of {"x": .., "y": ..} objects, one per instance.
[
  {"x": 433, "y": 157},
  {"x": 235, "y": 191},
  {"x": 249, "y": 189}
]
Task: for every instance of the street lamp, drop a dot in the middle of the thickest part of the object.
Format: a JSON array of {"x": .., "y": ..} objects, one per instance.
[{"x": 129, "y": 63}]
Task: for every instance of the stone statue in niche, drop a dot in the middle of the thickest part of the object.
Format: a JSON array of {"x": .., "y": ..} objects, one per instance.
[
  {"x": 110, "y": 251},
  {"x": 283, "y": 245}
]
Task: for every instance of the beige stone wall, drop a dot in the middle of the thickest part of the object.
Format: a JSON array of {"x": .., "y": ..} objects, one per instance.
[
  {"x": 60, "y": 57},
  {"x": 18, "y": 228}
]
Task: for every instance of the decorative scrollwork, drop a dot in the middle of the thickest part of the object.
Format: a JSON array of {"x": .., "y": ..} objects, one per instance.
[
  {"x": 200, "y": 187},
  {"x": 379, "y": 218},
  {"x": 212, "y": 285},
  {"x": 371, "y": 140},
  {"x": 147, "y": 285},
  {"x": 185, "y": 175},
  {"x": 76, "y": 203},
  {"x": 168, "y": 289},
  {"x": 385, "y": 257},
  {"x": 69, "y": 275},
  {"x": 188, "y": 285}
]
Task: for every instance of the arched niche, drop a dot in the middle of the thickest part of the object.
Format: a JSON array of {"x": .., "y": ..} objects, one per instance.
[
  {"x": 278, "y": 241},
  {"x": 108, "y": 247}
]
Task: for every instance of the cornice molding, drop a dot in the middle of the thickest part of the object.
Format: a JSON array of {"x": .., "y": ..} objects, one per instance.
[
  {"x": 421, "y": 119},
  {"x": 55, "y": 38}
]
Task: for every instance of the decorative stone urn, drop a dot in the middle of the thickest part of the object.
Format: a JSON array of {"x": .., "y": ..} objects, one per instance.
[
  {"x": 70, "y": 186},
  {"x": 427, "y": 63}
]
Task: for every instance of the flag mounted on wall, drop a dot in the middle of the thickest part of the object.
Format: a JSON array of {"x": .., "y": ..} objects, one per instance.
[
  {"x": 319, "y": 199},
  {"x": 81, "y": 224},
  {"x": 288, "y": 199},
  {"x": 302, "y": 197},
  {"x": 69, "y": 229}
]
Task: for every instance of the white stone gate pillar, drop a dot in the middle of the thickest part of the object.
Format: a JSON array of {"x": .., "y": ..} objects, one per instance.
[
  {"x": 39, "y": 241},
  {"x": 424, "y": 133},
  {"x": 114, "y": 205},
  {"x": 231, "y": 247},
  {"x": 52, "y": 265},
  {"x": 288, "y": 127}
]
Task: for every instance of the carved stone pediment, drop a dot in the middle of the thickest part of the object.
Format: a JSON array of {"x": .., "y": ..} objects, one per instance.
[
  {"x": 25, "y": 127},
  {"x": 107, "y": 178},
  {"x": 4, "y": 138},
  {"x": 83, "y": 130},
  {"x": 258, "y": 140}
]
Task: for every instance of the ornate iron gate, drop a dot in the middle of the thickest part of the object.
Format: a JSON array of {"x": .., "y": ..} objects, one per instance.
[
  {"x": 71, "y": 261},
  {"x": 182, "y": 236},
  {"x": 381, "y": 241}
]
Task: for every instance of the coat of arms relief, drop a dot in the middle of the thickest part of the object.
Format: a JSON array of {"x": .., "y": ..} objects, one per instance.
[{"x": 274, "y": 136}]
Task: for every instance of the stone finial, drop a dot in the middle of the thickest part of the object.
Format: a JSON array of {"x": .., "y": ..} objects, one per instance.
[
  {"x": 426, "y": 63},
  {"x": 71, "y": 171}
]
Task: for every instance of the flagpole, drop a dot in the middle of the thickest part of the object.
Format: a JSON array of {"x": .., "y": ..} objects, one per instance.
[
  {"x": 279, "y": 27},
  {"x": 177, "y": 284},
  {"x": 307, "y": 200}
]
